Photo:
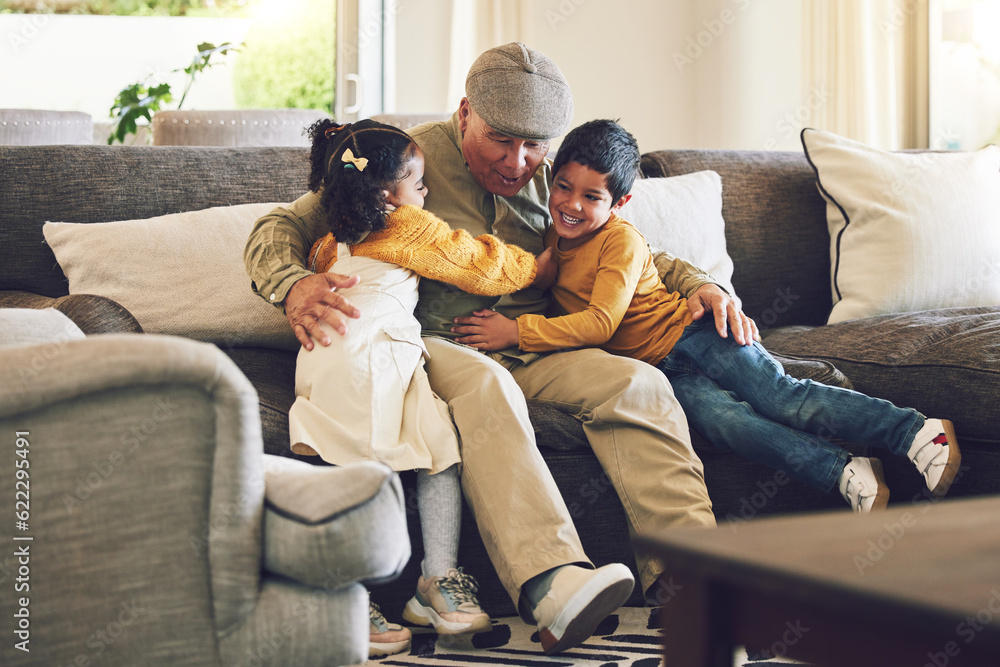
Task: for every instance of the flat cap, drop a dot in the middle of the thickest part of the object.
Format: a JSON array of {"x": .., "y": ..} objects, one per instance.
[{"x": 520, "y": 92}]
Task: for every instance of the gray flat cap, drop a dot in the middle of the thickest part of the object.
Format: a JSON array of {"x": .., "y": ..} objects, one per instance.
[{"x": 520, "y": 92}]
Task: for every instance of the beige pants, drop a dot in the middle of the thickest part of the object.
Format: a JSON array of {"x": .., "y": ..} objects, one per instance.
[{"x": 631, "y": 419}]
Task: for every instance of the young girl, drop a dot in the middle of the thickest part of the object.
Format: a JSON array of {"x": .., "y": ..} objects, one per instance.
[{"x": 366, "y": 396}]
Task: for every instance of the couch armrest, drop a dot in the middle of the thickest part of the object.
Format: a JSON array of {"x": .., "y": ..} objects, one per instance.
[
  {"x": 92, "y": 313},
  {"x": 331, "y": 526},
  {"x": 146, "y": 488}
]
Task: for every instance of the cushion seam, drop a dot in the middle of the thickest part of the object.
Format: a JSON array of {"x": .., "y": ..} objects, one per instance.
[
  {"x": 293, "y": 516},
  {"x": 829, "y": 197}
]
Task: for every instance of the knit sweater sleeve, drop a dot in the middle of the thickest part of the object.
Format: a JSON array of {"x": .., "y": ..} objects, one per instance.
[
  {"x": 420, "y": 241},
  {"x": 323, "y": 254}
]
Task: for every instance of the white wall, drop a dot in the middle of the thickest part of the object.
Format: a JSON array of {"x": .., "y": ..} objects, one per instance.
[
  {"x": 422, "y": 36},
  {"x": 679, "y": 74},
  {"x": 40, "y": 65},
  {"x": 616, "y": 56},
  {"x": 748, "y": 78}
]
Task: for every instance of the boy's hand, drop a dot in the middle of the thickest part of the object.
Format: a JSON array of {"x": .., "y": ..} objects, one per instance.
[
  {"x": 486, "y": 330},
  {"x": 548, "y": 267},
  {"x": 728, "y": 314}
]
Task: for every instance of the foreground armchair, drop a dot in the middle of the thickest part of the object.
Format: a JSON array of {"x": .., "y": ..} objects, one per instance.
[{"x": 150, "y": 529}]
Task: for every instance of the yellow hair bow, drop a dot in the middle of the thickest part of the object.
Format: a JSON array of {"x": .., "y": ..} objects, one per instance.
[{"x": 358, "y": 163}]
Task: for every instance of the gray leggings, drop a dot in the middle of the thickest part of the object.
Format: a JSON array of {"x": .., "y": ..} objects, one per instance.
[{"x": 439, "y": 500}]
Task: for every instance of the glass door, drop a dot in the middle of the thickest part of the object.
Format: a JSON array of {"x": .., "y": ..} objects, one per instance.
[{"x": 365, "y": 35}]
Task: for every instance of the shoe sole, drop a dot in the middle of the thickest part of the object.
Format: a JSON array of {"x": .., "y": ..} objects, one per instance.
[
  {"x": 377, "y": 650},
  {"x": 590, "y": 605},
  {"x": 954, "y": 460},
  {"x": 882, "y": 495},
  {"x": 418, "y": 614}
]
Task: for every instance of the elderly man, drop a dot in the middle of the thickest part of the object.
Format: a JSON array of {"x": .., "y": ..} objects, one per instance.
[{"x": 486, "y": 172}]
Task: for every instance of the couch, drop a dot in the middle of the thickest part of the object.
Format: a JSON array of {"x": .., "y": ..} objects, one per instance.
[
  {"x": 31, "y": 127},
  {"x": 151, "y": 528},
  {"x": 775, "y": 231}
]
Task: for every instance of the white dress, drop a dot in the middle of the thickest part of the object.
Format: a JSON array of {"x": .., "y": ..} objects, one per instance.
[{"x": 366, "y": 396}]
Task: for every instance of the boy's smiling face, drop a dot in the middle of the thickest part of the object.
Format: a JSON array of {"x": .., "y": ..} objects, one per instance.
[{"x": 580, "y": 204}]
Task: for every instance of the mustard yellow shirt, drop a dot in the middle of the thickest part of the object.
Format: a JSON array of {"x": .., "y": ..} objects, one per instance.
[
  {"x": 418, "y": 240},
  {"x": 608, "y": 294}
]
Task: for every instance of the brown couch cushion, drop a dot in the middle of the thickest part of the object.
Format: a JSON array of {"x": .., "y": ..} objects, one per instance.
[
  {"x": 93, "y": 314},
  {"x": 944, "y": 363},
  {"x": 98, "y": 184},
  {"x": 272, "y": 373},
  {"x": 775, "y": 229}
]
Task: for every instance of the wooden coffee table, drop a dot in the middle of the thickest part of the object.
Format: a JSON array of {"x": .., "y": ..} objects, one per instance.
[{"x": 917, "y": 585}]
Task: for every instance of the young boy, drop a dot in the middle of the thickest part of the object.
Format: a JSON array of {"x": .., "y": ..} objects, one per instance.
[{"x": 608, "y": 294}]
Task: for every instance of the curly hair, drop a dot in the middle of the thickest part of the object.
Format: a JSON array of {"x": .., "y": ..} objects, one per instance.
[{"x": 354, "y": 198}]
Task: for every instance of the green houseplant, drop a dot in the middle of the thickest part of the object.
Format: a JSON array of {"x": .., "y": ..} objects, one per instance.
[{"x": 143, "y": 98}]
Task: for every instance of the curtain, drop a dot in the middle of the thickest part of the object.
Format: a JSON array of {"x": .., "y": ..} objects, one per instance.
[
  {"x": 871, "y": 57},
  {"x": 477, "y": 25}
]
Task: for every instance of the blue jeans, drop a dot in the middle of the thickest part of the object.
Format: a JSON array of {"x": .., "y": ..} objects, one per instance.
[{"x": 740, "y": 399}]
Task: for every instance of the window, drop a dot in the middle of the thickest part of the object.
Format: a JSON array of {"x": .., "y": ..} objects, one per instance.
[
  {"x": 80, "y": 56},
  {"x": 964, "y": 74}
]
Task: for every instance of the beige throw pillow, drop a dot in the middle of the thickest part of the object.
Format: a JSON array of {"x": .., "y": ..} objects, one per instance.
[
  {"x": 908, "y": 231},
  {"x": 179, "y": 274},
  {"x": 682, "y": 215},
  {"x": 29, "y": 326}
]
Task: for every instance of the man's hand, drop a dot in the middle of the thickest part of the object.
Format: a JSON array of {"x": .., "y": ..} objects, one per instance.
[
  {"x": 486, "y": 330},
  {"x": 314, "y": 299},
  {"x": 548, "y": 267},
  {"x": 728, "y": 314}
]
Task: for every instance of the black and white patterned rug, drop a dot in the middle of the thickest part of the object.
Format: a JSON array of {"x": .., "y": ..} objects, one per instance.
[{"x": 628, "y": 638}]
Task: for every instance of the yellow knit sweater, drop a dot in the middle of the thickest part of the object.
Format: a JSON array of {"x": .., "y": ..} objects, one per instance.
[{"x": 424, "y": 243}]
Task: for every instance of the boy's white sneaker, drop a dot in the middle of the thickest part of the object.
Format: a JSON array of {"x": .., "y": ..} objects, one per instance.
[
  {"x": 577, "y": 601},
  {"x": 863, "y": 485},
  {"x": 936, "y": 455}
]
